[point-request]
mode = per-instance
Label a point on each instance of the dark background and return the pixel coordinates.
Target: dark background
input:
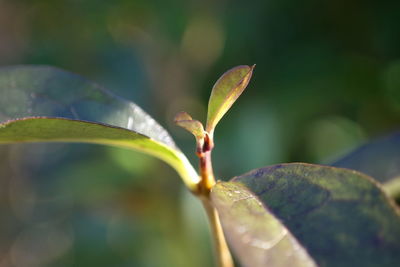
(327, 80)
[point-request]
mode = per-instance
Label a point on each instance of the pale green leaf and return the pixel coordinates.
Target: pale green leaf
(83, 112)
(185, 121)
(225, 92)
(339, 216)
(42, 129)
(392, 188)
(30, 91)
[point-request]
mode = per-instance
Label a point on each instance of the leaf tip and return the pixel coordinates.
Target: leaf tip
(181, 116)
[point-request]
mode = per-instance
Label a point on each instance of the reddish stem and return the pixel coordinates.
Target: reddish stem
(224, 258)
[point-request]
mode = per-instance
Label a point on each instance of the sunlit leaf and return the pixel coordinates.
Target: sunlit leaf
(185, 121)
(28, 91)
(49, 93)
(340, 217)
(257, 236)
(225, 92)
(392, 188)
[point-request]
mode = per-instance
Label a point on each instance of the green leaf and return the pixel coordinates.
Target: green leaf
(379, 159)
(31, 91)
(392, 188)
(225, 92)
(340, 217)
(61, 106)
(257, 236)
(185, 121)
(41, 129)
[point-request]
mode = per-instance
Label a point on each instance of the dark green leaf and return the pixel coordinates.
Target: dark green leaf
(379, 158)
(341, 217)
(257, 236)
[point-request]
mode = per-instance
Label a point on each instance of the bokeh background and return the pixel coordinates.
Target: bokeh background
(327, 80)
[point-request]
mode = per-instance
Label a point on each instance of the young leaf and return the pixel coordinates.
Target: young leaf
(41, 104)
(185, 121)
(225, 92)
(340, 217)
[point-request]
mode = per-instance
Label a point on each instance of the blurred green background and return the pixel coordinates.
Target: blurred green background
(327, 80)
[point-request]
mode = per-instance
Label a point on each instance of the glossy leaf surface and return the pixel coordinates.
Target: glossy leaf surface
(67, 130)
(49, 93)
(28, 91)
(225, 92)
(341, 217)
(257, 236)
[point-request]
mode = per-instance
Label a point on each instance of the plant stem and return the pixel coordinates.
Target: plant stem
(207, 174)
(223, 255)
